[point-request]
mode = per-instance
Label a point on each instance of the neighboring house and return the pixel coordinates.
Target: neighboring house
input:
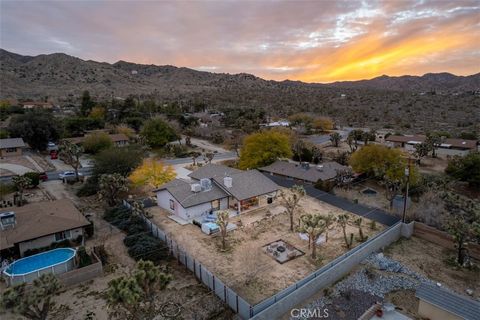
(448, 146)
(304, 172)
(37, 225)
(274, 124)
(118, 139)
(216, 187)
(436, 303)
(11, 147)
(36, 105)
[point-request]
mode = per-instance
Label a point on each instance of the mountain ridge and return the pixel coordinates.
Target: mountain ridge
(58, 72)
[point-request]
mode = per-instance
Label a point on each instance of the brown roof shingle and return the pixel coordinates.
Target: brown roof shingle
(324, 171)
(40, 219)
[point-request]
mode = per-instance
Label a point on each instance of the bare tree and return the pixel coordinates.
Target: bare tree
(291, 199)
(222, 221)
(71, 153)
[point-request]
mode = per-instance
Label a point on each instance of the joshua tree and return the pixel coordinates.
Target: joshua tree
(343, 220)
(209, 157)
(21, 183)
(291, 201)
(222, 221)
(132, 297)
(463, 223)
(433, 140)
(298, 147)
(317, 155)
(358, 223)
(33, 302)
(111, 185)
(195, 155)
(70, 153)
(421, 151)
(344, 178)
(313, 225)
(335, 139)
(329, 219)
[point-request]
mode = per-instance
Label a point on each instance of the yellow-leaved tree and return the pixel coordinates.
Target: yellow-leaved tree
(152, 173)
(263, 148)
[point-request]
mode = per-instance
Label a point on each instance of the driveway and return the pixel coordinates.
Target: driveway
(371, 213)
(15, 168)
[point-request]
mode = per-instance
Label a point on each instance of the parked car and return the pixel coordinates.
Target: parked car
(51, 146)
(43, 176)
(68, 175)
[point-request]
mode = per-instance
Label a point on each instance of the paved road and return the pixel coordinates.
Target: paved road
(217, 156)
(52, 175)
(376, 214)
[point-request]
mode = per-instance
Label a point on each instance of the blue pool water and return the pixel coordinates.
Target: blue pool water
(40, 261)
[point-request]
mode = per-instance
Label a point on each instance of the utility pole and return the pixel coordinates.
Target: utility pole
(407, 174)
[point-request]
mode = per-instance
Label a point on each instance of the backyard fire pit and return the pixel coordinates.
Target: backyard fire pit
(282, 251)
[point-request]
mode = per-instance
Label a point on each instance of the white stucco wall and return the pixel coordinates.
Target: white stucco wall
(163, 201)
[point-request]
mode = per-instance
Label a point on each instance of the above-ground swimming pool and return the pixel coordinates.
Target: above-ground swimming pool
(27, 269)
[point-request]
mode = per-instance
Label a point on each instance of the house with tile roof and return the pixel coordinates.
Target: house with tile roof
(216, 187)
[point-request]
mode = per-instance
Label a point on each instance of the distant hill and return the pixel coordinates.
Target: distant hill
(384, 101)
(428, 82)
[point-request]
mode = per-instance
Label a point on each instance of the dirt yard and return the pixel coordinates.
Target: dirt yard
(378, 200)
(75, 303)
(244, 266)
(429, 259)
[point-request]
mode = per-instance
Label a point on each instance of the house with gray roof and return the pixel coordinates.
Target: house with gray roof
(11, 147)
(438, 303)
(304, 172)
(216, 187)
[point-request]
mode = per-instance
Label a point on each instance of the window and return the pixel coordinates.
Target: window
(216, 204)
(59, 236)
(11, 150)
(172, 204)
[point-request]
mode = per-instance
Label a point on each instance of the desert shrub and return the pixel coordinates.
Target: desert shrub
(6, 188)
(34, 177)
(112, 214)
(84, 259)
(89, 188)
(134, 238)
(326, 186)
(95, 143)
(148, 248)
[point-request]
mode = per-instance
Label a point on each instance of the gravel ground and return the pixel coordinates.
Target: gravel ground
(378, 276)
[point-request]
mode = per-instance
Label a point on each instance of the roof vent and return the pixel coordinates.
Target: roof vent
(206, 184)
(7, 220)
(320, 167)
(228, 182)
(196, 187)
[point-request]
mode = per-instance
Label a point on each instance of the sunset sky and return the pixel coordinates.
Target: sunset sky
(313, 41)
